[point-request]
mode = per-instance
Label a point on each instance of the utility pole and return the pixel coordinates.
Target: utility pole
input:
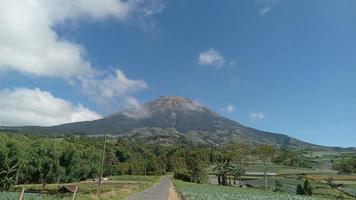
(146, 161)
(101, 168)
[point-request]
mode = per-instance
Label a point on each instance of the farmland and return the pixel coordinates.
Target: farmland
(192, 191)
(326, 182)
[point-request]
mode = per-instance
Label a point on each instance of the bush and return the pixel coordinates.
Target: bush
(278, 186)
(300, 190)
(306, 189)
(182, 174)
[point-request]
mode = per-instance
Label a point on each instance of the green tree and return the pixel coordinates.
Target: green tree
(197, 165)
(223, 169)
(46, 162)
(237, 171)
(307, 188)
(7, 177)
(300, 190)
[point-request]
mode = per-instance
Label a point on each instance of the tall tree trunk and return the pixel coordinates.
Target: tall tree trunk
(224, 180)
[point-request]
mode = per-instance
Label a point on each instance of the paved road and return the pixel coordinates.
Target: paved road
(159, 191)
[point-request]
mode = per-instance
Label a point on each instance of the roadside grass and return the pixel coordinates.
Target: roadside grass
(117, 188)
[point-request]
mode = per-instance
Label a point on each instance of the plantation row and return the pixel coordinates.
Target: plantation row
(191, 191)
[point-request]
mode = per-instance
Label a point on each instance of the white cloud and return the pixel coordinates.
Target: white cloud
(211, 57)
(235, 82)
(265, 10)
(229, 109)
(35, 107)
(30, 44)
(136, 110)
(113, 85)
(257, 115)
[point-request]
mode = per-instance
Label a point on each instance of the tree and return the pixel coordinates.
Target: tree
(307, 188)
(46, 162)
(223, 169)
(277, 186)
(240, 152)
(18, 153)
(196, 164)
(265, 153)
(219, 170)
(237, 172)
(7, 177)
(300, 189)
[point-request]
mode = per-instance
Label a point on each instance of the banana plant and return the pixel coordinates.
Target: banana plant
(7, 177)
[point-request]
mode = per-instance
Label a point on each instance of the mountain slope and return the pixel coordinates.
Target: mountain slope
(173, 116)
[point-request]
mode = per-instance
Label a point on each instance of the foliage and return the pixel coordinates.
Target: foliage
(7, 177)
(306, 189)
(182, 174)
(300, 190)
(293, 158)
(346, 165)
(278, 186)
(193, 168)
(50, 159)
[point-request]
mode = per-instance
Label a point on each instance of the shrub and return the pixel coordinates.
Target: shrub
(300, 190)
(278, 186)
(182, 174)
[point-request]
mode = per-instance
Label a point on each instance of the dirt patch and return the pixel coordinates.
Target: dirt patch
(173, 194)
(109, 195)
(126, 189)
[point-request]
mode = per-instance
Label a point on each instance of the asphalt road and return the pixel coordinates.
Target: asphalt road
(159, 191)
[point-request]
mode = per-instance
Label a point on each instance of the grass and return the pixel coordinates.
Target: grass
(117, 188)
(192, 191)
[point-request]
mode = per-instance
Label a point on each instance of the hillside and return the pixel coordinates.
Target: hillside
(169, 118)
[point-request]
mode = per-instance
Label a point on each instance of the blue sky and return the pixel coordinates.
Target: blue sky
(277, 65)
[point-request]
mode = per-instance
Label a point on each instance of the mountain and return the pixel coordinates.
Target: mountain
(169, 118)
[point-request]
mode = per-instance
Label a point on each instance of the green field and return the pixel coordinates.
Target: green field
(194, 191)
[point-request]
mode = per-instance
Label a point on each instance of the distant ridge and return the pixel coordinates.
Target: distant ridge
(168, 118)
